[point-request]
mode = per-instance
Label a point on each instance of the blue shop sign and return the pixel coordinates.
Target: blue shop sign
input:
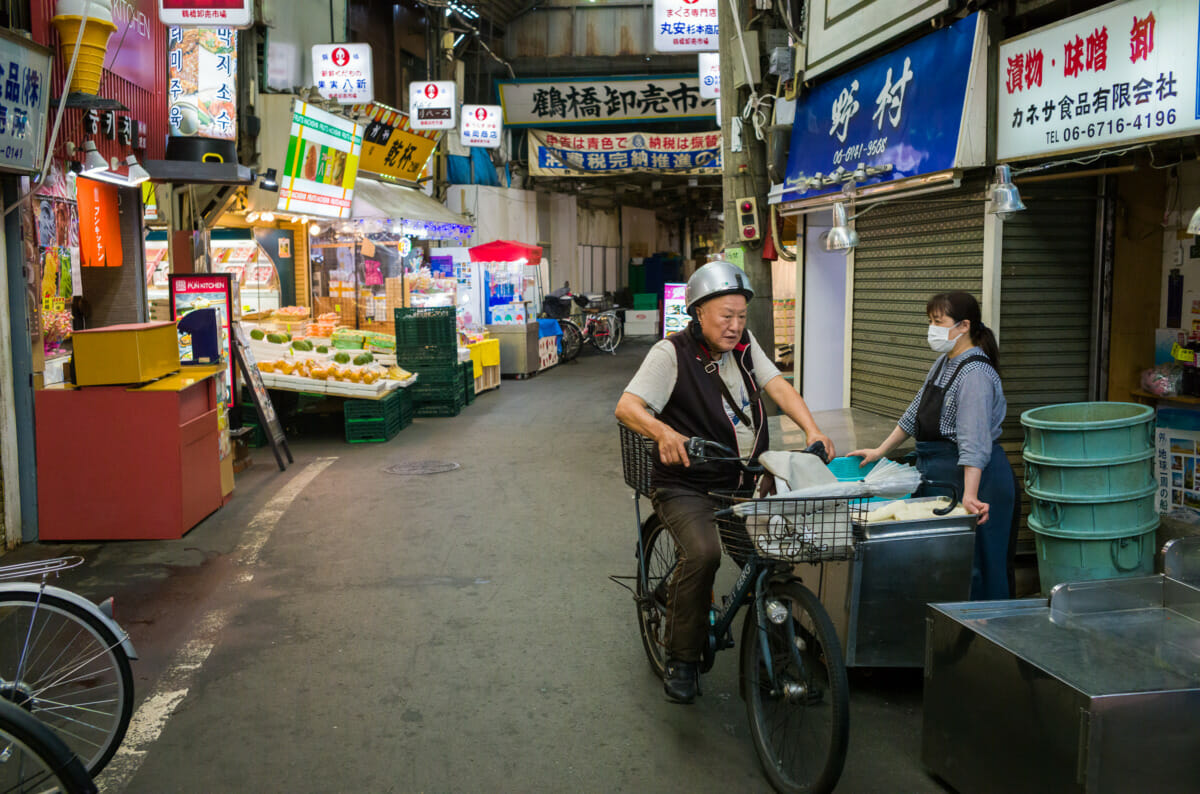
(904, 109)
(24, 86)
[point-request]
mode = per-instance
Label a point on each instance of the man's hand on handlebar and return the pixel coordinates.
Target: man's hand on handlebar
(672, 447)
(830, 451)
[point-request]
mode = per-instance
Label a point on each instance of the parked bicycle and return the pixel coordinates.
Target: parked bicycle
(34, 760)
(65, 660)
(792, 672)
(603, 329)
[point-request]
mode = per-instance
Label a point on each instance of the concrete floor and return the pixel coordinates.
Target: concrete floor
(447, 633)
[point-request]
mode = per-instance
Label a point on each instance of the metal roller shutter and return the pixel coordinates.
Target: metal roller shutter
(1047, 307)
(908, 251)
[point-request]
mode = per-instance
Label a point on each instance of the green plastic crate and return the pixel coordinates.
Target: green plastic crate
(438, 383)
(389, 407)
(469, 381)
(645, 300)
(442, 408)
(257, 437)
(361, 431)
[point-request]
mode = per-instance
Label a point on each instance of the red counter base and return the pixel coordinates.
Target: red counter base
(118, 464)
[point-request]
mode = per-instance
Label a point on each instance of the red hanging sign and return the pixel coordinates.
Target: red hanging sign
(99, 224)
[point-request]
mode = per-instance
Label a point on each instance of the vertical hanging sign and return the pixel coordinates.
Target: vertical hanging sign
(202, 82)
(343, 72)
(685, 25)
(710, 76)
(431, 105)
(481, 126)
(322, 164)
(99, 224)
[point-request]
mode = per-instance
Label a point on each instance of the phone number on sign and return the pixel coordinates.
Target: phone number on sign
(1078, 132)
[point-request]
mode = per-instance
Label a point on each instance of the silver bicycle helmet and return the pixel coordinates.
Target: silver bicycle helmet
(714, 279)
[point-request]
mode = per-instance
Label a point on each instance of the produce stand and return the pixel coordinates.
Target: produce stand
(1096, 689)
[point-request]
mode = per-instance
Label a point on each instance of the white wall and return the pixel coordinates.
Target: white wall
(564, 240)
(498, 213)
(823, 319)
(639, 228)
(599, 227)
(1182, 202)
(295, 26)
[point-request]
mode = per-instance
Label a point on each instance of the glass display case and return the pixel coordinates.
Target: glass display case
(232, 252)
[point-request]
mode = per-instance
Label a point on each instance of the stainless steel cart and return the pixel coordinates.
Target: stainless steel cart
(877, 601)
(1095, 690)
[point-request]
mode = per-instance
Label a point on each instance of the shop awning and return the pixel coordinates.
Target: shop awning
(380, 200)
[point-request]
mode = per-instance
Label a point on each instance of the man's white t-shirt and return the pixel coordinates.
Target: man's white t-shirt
(655, 380)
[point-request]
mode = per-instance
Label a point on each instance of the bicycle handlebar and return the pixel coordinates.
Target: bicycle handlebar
(697, 450)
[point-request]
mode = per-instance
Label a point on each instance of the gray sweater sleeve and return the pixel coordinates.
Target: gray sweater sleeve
(973, 423)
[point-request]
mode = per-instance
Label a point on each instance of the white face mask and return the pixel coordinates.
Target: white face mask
(939, 339)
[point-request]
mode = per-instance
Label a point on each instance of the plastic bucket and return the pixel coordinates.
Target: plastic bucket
(1087, 559)
(1088, 432)
(1082, 517)
(1121, 478)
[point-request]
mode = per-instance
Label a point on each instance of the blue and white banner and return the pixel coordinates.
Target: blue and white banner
(903, 113)
(561, 154)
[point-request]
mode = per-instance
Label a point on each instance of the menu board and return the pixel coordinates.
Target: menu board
(210, 290)
(262, 401)
(675, 316)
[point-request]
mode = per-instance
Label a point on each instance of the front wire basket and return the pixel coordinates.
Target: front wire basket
(637, 460)
(794, 530)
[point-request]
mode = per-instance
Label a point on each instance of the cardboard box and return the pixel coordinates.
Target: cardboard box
(641, 328)
(134, 353)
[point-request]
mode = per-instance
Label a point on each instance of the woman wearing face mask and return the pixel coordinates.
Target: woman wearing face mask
(955, 419)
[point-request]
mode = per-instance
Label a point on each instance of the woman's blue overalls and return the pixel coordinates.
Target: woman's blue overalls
(937, 460)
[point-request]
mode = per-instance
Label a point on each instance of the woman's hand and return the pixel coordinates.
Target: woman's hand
(976, 507)
(868, 455)
(672, 447)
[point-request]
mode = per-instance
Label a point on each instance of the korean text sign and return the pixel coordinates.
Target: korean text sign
(322, 163)
(540, 103)
(1123, 73)
(904, 110)
(24, 80)
(685, 26)
(563, 154)
(202, 82)
(343, 72)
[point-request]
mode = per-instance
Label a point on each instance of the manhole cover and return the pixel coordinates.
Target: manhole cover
(421, 467)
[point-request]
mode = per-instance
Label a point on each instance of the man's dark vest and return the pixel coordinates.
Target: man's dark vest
(697, 408)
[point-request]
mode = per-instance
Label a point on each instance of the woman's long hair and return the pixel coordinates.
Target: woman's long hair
(959, 306)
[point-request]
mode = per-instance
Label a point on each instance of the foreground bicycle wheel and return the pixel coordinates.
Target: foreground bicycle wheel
(572, 340)
(67, 668)
(34, 760)
(800, 726)
(659, 549)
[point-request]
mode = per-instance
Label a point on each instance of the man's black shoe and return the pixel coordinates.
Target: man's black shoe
(680, 682)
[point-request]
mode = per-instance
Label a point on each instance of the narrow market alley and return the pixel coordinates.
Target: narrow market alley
(341, 628)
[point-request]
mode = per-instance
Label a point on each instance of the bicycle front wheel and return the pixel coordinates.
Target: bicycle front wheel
(572, 340)
(612, 334)
(800, 710)
(34, 760)
(653, 576)
(65, 666)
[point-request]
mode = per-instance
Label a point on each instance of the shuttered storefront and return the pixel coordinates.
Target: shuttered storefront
(1047, 306)
(908, 250)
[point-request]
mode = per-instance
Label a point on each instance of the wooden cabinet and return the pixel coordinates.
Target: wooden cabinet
(119, 463)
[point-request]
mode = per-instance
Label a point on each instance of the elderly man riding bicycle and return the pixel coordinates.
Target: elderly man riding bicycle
(706, 381)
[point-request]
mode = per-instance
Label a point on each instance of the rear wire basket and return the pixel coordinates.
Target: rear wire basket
(637, 460)
(795, 530)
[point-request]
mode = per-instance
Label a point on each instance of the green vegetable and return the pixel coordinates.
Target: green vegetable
(365, 358)
(342, 358)
(322, 349)
(278, 339)
(302, 344)
(257, 333)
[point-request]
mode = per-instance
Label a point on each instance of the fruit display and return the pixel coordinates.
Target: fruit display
(292, 314)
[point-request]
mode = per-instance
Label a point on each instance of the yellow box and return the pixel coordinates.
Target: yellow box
(134, 353)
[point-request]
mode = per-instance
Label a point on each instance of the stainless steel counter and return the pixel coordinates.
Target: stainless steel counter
(1095, 690)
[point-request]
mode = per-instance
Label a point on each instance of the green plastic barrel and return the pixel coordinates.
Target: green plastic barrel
(1088, 432)
(1070, 559)
(1086, 515)
(1113, 478)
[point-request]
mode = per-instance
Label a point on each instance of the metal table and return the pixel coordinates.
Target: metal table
(1095, 690)
(877, 601)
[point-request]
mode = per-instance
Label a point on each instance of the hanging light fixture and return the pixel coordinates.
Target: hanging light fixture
(267, 217)
(137, 175)
(93, 161)
(841, 237)
(1006, 199)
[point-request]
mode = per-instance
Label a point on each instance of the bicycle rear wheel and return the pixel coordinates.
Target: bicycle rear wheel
(652, 579)
(800, 720)
(572, 340)
(34, 760)
(66, 667)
